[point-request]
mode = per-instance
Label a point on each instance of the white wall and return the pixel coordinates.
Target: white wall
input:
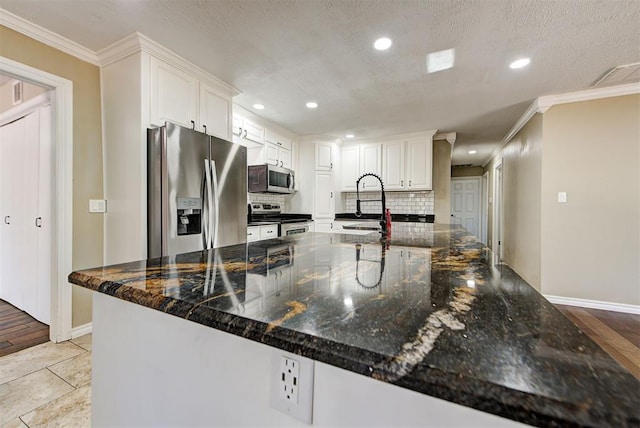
(591, 244)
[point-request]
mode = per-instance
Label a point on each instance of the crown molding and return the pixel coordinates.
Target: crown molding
(449, 136)
(138, 42)
(544, 103)
(47, 37)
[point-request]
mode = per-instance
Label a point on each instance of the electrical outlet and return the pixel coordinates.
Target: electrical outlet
(289, 372)
(292, 385)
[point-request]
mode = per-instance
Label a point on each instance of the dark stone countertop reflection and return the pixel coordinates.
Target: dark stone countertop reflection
(431, 310)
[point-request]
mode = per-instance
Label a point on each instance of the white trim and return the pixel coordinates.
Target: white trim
(449, 136)
(47, 37)
(594, 304)
(544, 103)
(24, 108)
(81, 330)
(62, 106)
(139, 42)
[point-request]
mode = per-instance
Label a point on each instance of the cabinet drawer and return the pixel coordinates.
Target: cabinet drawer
(268, 232)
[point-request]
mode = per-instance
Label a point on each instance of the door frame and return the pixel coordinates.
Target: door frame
(484, 208)
(478, 180)
(62, 198)
(498, 210)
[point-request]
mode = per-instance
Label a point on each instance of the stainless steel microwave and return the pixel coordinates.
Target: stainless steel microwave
(270, 179)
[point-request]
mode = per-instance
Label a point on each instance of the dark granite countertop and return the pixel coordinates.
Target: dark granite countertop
(444, 319)
(410, 218)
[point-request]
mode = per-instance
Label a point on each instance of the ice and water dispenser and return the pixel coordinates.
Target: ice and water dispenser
(189, 216)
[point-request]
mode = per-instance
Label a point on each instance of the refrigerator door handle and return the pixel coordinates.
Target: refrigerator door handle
(207, 212)
(215, 213)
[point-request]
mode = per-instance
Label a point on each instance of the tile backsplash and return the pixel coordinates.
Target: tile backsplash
(397, 202)
(269, 198)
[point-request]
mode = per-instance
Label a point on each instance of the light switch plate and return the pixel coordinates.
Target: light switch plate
(562, 197)
(97, 206)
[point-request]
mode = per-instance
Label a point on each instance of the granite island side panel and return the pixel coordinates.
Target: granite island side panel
(435, 313)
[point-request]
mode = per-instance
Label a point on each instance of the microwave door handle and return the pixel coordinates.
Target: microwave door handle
(291, 181)
(215, 213)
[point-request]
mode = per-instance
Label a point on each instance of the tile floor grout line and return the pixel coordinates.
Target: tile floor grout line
(21, 420)
(64, 380)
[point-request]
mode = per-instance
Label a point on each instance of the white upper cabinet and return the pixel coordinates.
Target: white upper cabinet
(419, 164)
(277, 151)
(215, 112)
(350, 161)
(393, 165)
(277, 139)
(324, 157)
(370, 162)
(179, 97)
(246, 132)
(173, 95)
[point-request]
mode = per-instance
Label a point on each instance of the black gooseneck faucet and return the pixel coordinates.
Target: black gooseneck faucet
(383, 223)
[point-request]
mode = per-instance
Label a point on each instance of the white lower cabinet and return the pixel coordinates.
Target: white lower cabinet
(323, 226)
(258, 233)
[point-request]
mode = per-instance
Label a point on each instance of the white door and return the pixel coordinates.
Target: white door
(465, 203)
(25, 205)
(370, 163)
(350, 161)
(324, 157)
(419, 164)
(497, 211)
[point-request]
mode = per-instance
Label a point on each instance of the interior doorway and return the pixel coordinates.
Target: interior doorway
(465, 203)
(61, 186)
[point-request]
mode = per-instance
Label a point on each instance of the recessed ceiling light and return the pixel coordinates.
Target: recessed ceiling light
(349, 135)
(441, 60)
(312, 104)
(258, 106)
(522, 62)
(382, 44)
(472, 152)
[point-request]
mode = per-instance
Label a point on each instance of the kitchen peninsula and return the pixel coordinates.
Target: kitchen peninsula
(393, 328)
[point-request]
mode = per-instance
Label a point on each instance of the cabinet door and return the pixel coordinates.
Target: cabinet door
(253, 234)
(324, 204)
(370, 162)
(173, 95)
(324, 156)
(277, 139)
(253, 132)
(215, 112)
(268, 232)
(285, 158)
(325, 226)
(419, 158)
(271, 154)
(393, 169)
(350, 161)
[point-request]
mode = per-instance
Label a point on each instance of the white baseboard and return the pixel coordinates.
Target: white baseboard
(81, 330)
(594, 304)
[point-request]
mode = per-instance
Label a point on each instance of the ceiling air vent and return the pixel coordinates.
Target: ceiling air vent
(622, 74)
(465, 165)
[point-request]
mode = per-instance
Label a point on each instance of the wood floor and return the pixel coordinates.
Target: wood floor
(616, 332)
(18, 330)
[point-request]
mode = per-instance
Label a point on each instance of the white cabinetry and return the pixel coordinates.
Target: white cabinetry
(370, 162)
(359, 159)
(419, 164)
(407, 165)
(278, 150)
(324, 204)
(324, 157)
(144, 85)
(350, 161)
(258, 233)
(246, 132)
(393, 167)
(179, 97)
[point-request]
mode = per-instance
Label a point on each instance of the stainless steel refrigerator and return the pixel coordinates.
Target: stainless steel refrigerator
(197, 191)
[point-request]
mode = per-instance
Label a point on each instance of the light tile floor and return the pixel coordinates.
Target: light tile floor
(48, 385)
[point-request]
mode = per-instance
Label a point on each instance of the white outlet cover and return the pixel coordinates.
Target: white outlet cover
(562, 197)
(97, 206)
(303, 408)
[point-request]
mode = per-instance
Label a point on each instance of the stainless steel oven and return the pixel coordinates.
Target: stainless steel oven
(287, 229)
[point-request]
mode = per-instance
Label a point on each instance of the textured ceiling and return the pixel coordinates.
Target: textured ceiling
(284, 53)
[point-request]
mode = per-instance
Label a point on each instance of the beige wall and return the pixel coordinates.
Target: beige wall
(468, 171)
(442, 180)
(591, 244)
(87, 149)
(29, 91)
(521, 173)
